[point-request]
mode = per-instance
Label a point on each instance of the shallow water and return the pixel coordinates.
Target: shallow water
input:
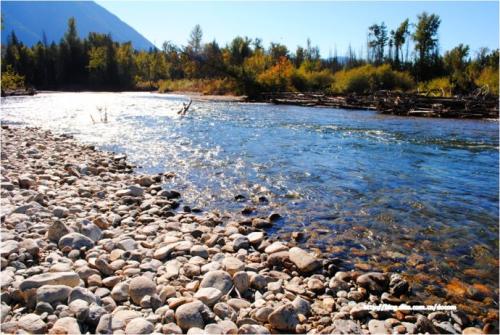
(393, 193)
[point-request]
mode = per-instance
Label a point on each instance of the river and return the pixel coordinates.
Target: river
(388, 193)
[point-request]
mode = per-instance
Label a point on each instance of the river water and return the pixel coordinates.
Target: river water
(385, 193)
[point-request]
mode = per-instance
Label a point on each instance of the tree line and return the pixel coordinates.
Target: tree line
(404, 58)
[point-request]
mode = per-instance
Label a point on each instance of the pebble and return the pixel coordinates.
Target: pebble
(284, 318)
(140, 287)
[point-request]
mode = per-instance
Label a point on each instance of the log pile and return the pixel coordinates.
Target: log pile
(395, 103)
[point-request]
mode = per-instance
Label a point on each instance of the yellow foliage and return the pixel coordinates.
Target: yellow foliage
(12, 80)
(368, 78)
(489, 77)
(205, 86)
(278, 77)
(437, 86)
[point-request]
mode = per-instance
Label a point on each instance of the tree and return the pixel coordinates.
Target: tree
(456, 63)
(426, 43)
(377, 41)
(399, 39)
(195, 38)
(277, 51)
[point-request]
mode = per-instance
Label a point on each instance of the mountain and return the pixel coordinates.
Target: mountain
(30, 20)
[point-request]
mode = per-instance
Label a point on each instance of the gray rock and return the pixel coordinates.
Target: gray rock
(343, 327)
(190, 315)
(140, 287)
(120, 292)
(304, 261)
(374, 282)
(105, 325)
(139, 326)
(52, 293)
(90, 230)
(80, 309)
(82, 294)
(56, 231)
(253, 329)
(302, 306)
(241, 281)
(75, 241)
(241, 242)
(51, 278)
(284, 318)
(219, 279)
(208, 295)
(60, 212)
(8, 247)
(199, 250)
(32, 323)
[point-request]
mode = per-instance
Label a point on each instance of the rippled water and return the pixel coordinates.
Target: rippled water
(395, 193)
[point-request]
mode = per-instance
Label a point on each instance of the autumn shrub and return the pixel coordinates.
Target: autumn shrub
(368, 78)
(278, 78)
(205, 86)
(12, 80)
(489, 78)
(441, 86)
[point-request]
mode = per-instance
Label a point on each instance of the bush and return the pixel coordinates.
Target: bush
(368, 78)
(12, 80)
(205, 86)
(488, 77)
(278, 77)
(438, 86)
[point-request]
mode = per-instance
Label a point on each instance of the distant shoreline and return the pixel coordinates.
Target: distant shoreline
(385, 102)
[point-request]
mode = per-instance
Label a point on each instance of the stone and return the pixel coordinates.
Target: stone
(241, 242)
(302, 306)
(374, 282)
(30, 245)
(241, 281)
(171, 328)
(8, 247)
(105, 325)
(163, 252)
(284, 318)
(52, 293)
(253, 329)
(4, 312)
(66, 325)
(472, 331)
(75, 241)
(219, 279)
(135, 191)
(379, 327)
(199, 250)
(275, 247)
(51, 278)
(233, 265)
(139, 326)
(304, 261)
(189, 315)
(120, 292)
(56, 231)
(32, 323)
(60, 212)
(140, 287)
(344, 327)
(80, 309)
(224, 311)
(91, 231)
(255, 238)
(82, 294)
(127, 244)
(208, 295)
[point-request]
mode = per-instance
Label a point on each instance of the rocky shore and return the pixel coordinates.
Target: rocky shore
(89, 246)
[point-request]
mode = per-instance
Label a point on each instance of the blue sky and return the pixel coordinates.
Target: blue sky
(330, 25)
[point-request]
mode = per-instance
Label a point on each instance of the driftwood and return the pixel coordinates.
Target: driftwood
(18, 92)
(396, 103)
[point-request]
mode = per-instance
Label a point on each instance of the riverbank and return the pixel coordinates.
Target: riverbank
(394, 103)
(88, 245)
